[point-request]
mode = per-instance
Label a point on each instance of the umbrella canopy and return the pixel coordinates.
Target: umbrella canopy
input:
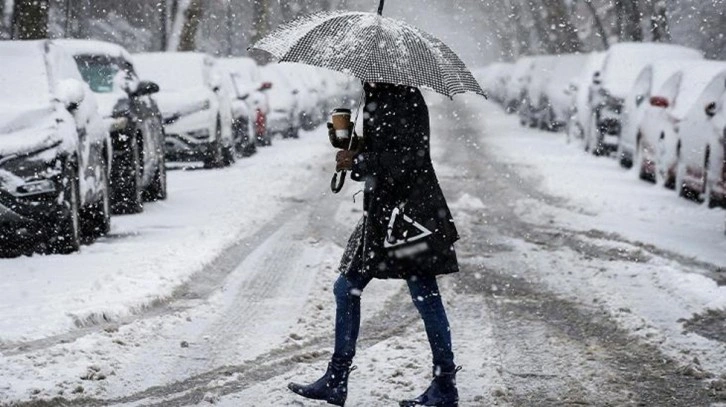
(372, 48)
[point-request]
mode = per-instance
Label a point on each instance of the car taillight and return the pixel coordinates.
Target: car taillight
(659, 101)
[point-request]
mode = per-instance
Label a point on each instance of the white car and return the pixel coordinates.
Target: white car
(251, 91)
(623, 63)
(55, 151)
(701, 172)
(580, 88)
(534, 102)
(659, 146)
(556, 108)
(196, 102)
(518, 84)
(284, 117)
(494, 79)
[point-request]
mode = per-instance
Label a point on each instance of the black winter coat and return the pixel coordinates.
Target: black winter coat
(407, 229)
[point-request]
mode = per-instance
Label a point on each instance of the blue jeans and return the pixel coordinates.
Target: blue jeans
(425, 295)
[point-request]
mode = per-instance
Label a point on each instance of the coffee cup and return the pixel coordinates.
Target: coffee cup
(341, 123)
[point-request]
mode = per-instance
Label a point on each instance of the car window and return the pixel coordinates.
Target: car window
(100, 71)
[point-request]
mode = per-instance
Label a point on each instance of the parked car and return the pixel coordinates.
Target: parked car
(494, 79)
(580, 94)
(623, 63)
(196, 104)
(55, 152)
(251, 91)
(284, 117)
(518, 84)
(555, 103)
(701, 173)
(659, 146)
(138, 171)
(533, 105)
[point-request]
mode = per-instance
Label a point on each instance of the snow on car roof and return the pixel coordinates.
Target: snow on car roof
(91, 47)
(696, 79)
(625, 61)
(567, 66)
(24, 77)
(174, 70)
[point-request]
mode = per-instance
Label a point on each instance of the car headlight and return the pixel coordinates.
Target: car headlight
(34, 170)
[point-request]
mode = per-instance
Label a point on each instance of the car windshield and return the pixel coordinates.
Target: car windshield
(24, 80)
(98, 71)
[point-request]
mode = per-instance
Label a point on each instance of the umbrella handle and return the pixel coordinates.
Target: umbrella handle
(336, 185)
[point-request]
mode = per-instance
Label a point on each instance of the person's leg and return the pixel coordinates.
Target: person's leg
(442, 392)
(333, 386)
(347, 290)
(427, 299)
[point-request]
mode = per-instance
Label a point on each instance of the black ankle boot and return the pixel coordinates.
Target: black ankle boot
(332, 387)
(441, 393)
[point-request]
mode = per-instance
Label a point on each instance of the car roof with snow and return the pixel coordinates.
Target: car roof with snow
(90, 47)
(174, 70)
(625, 61)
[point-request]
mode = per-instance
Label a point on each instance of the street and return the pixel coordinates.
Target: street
(571, 292)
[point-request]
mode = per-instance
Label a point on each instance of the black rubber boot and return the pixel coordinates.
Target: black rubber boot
(441, 393)
(332, 387)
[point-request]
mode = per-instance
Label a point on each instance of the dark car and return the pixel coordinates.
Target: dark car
(134, 120)
(55, 151)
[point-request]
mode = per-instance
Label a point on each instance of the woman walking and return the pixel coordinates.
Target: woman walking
(407, 233)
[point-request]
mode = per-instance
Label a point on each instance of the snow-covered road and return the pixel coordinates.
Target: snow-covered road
(579, 285)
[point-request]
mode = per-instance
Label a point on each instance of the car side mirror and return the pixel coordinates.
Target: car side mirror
(71, 93)
(146, 88)
(295, 91)
(639, 100)
(266, 86)
(711, 109)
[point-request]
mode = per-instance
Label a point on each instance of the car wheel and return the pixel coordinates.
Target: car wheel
(215, 155)
(228, 157)
(66, 233)
(126, 180)
(157, 190)
(293, 133)
(96, 218)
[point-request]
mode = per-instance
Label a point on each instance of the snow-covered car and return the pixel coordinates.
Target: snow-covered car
(623, 63)
(534, 102)
(556, 106)
(245, 142)
(196, 104)
(250, 90)
(55, 151)
(659, 145)
(579, 89)
(518, 84)
(138, 171)
(701, 172)
(637, 103)
(305, 82)
(284, 117)
(494, 79)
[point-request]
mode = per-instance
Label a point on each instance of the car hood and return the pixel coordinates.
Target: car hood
(180, 103)
(25, 130)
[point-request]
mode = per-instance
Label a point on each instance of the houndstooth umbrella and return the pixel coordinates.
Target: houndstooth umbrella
(372, 48)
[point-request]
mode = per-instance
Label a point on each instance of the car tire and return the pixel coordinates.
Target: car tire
(228, 156)
(293, 133)
(96, 218)
(66, 233)
(126, 188)
(157, 190)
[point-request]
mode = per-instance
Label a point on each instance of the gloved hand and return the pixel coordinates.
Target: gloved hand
(343, 143)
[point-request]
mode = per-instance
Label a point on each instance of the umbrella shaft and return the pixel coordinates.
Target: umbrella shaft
(380, 7)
